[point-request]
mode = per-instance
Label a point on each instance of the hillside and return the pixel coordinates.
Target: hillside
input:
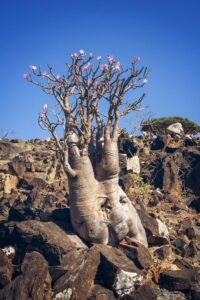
(42, 258)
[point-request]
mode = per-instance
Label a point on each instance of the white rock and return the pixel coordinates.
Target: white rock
(48, 139)
(176, 128)
(189, 136)
(162, 229)
(125, 282)
(64, 295)
(133, 164)
(8, 250)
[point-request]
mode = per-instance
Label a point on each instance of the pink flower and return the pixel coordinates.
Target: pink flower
(32, 68)
(82, 52)
(105, 67)
(99, 57)
(45, 107)
(26, 76)
(45, 74)
(87, 66)
(91, 55)
(89, 81)
(58, 76)
(111, 58)
(117, 66)
(42, 116)
(137, 59)
(74, 55)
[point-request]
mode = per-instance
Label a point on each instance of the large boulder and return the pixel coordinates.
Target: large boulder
(176, 128)
(6, 269)
(34, 282)
(45, 237)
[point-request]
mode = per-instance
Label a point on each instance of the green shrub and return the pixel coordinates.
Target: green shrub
(159, 125)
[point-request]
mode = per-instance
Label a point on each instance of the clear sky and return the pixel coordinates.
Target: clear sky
(164, 33)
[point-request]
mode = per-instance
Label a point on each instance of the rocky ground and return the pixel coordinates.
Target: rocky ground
(42, 258)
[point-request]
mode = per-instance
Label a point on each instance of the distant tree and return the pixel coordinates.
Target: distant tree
(159, 126)
(91, 101)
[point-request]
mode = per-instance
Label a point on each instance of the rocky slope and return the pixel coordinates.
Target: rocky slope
(42, 258)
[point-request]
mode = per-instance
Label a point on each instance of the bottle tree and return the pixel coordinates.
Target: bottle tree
(91, 99)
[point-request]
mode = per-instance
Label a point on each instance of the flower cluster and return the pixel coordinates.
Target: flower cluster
(112, 64)
(32, 68)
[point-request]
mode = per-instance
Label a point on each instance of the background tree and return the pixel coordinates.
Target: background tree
(158, 126)
(90, 102)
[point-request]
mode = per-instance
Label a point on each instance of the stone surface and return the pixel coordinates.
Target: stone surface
(133, 164)
(33, 283)
(6, 269)
(150, 224)
(176, 128)
(34, 188)
(136, 252)
(178, 280)
(163, 294)
(162, 229)
(117, 271)
(163, 252)
(77, 272)
(100, 293)
(47, 238)
(191, 250)
(143, 292)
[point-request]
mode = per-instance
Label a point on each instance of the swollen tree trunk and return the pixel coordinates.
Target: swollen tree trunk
(100, 210)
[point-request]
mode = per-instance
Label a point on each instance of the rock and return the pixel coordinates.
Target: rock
(4, 168)
(142, 293)
(45, 237)
(152, 229)
(9, 251)
(9, 150)
(157, 241)
(32, 181)
(6, 269)
(100, 293)
(163, 252)
(162, 229)
(183, 264)
(8, 182)
(158, 143)
(84, 280)
(195, 204)
(195, 292)
(171, 181)
(133, 164)
(117, 271)
(150, 224)
(136, 252)
(178, 246)
(163, 294)
(64, 295)
(178, 280)
(21, 212)
(18, 167)
(80, 271)
(176, 128)
(193, 178)
(190, 250)
(33, 283)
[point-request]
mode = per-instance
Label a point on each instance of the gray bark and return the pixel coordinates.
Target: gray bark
(100, 210)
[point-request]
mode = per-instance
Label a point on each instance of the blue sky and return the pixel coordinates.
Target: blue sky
(164, 33)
